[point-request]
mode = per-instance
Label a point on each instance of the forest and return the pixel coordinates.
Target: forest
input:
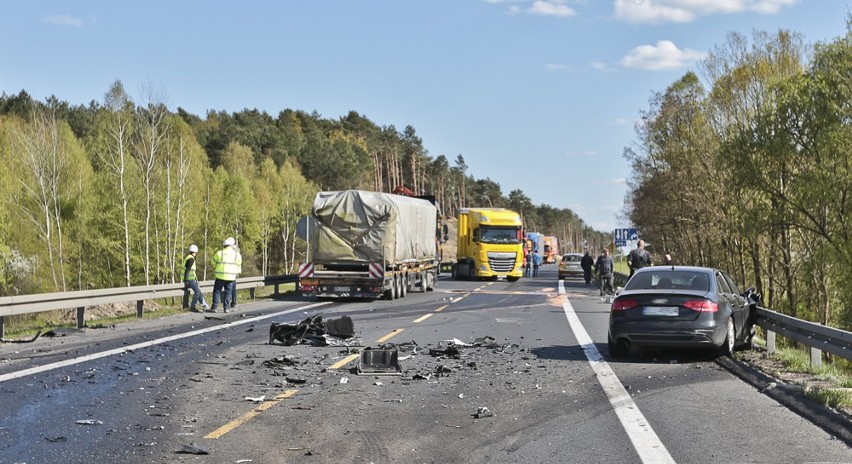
(111, 193)
(747, 168)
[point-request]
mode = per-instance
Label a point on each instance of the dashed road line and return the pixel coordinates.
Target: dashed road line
(249, 415)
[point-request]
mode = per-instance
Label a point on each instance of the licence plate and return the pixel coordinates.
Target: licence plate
(341, 289)
(661, 311)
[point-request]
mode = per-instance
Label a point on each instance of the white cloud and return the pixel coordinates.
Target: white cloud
(551, 8)
(557, 66)
(684, 11)
(620, 122)
(63, 20)
(664, 55)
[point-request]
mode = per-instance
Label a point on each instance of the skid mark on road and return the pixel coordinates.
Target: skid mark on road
(645, 441)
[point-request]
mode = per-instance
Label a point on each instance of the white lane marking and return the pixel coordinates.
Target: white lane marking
(642, 435)
(103, 354)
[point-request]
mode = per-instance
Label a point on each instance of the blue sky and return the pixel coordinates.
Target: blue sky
(537, 95)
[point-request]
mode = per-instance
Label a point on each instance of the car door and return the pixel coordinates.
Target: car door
(739, 303)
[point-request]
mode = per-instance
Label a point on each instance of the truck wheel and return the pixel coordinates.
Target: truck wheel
(403, 285)
(423, 278)
(394, 289)
(512, 278)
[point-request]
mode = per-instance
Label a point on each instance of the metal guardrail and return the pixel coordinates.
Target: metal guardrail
(818, 337)
(80, 300)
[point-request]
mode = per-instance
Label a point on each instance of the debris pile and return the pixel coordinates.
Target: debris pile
(313, 331)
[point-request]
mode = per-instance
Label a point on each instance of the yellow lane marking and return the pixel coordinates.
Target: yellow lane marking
(247, 416)
(388, 336)
(423, 318)
(344, 361)
(441, 308)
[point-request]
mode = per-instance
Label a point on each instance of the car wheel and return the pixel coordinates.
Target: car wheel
(616, 350)
(727, 348)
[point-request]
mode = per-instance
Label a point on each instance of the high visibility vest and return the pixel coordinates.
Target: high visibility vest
(191, 274)
(228, 264)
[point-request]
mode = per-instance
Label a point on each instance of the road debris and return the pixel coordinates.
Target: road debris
(313, 331)
(256, 399)
(88, 422)
(192, 449)
(379, 361)
(482, 412)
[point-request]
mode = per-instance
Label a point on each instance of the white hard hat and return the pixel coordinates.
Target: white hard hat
(229, 241)
(193, 249)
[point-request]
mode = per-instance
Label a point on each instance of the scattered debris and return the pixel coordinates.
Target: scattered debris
(344, 380)
(448, 352)
(284, 362)
(482, 412)
(312, 331)
(192, 449)
(379, 362)
(256, 399)
(56, 439)
(88, 422)
(296, 380)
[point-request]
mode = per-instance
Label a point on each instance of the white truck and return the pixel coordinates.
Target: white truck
(365, 244)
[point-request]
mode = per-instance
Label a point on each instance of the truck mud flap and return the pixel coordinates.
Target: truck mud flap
(379, 362)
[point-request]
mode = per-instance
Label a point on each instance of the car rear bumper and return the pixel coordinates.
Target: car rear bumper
(686, 334)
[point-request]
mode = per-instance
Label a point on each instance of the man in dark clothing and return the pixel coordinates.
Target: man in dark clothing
(605, 267)
(638, 257)
(586, 262)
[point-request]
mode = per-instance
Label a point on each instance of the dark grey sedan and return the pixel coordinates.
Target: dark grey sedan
(680, 306)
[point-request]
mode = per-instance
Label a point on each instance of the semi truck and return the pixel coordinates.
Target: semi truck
(534, 242)
(490, 244)
(363, 244)
(551, 249)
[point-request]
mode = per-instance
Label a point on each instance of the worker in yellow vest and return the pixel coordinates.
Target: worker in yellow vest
(190, 279)
(228, 265)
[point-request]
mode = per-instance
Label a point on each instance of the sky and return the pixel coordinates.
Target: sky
(536, 95)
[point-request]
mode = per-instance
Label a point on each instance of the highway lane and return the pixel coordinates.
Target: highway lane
(548, 403)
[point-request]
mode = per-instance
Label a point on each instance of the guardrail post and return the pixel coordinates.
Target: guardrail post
(2, 328)
(251, 293)
(276, 289)
(770, 341)
(81, 317)
(185, 302)
(816, 356)
(139, 305)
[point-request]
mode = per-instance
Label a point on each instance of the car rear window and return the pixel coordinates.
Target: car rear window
(669, 280)
(571, 258)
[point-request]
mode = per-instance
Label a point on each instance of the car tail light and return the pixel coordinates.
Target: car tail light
(702, 306)
(621, 305)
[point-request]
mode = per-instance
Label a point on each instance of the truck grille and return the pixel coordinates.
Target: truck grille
(502, 262)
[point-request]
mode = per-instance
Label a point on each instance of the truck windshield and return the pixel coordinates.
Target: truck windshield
(500, 234)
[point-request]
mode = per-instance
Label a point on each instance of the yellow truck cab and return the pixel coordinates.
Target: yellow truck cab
(490, 244)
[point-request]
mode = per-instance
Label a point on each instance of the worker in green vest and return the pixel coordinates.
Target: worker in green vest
(190, 280)
(228, 265)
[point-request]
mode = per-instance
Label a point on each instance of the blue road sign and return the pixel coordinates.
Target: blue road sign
(622, 236)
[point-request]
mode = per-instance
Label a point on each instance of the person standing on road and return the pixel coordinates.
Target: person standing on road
(536, 258)
(586, 262)
(604, 268)
(638, 257)
(228, 264)
(190, 280)
(528, 263)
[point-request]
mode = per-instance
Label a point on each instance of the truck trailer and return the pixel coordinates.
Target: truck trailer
(365, 244)
(490, 244)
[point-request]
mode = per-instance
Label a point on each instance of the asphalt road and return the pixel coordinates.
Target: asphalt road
(167, 390)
